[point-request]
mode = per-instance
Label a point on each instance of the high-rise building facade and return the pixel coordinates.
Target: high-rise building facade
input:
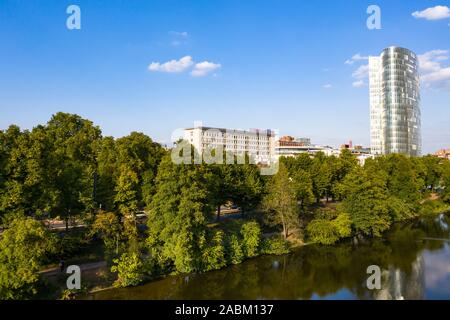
(395, 125)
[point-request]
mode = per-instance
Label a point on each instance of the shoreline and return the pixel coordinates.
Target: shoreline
(292, 249)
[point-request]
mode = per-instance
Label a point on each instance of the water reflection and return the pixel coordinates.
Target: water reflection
(414, 259)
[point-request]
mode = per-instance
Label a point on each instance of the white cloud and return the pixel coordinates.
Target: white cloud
(356, 57)
(430, 61)
(432, 73)
(203, 68)
(327, 86)
(183, 34)
(434, 13)
(179, 38)
(172, 66)
(359, 84)
(362, 72)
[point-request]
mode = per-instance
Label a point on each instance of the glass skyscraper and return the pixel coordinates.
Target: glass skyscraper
(395, 102)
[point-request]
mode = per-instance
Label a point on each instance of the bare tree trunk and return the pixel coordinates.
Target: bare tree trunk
(218, 212)
(284, 227)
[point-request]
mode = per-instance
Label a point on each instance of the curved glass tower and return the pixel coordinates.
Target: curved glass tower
(395, 102)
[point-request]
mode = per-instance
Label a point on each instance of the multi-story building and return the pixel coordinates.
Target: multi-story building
(289, 146)
(260, 144)
(443, 153)
(395, 124)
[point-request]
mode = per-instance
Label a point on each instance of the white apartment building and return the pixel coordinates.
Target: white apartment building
(260, 144)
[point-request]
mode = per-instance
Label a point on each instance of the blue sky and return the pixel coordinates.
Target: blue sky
(259, 64)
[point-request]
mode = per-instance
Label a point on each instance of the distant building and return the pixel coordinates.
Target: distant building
(361, 153)
(356, 149)
(258, 143)
(289, 146)
(285, 148)
(443, 153)
(395, 121)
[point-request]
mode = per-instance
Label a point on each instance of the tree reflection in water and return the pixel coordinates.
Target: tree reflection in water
(314, 271)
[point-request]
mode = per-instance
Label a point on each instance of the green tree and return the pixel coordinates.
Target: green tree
(328, 232)
(23, 248)
(302, 161)
(130, 270)
(280, 203)
(106, 174)
(126, 199)
(234, 250)
(108, 227)
(251, 238)
(340, 167)
(432, 171)
(322, 231)
(23, 183)
(213, 252)
(238, 183)
(321, 176)
(303, 186)
(178, 215)
(446, 181)
(403, 181)
(141, 155)
(74, 142)
(366, 200)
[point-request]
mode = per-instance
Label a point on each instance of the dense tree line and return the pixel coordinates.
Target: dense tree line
(385, 190)
(67, 169)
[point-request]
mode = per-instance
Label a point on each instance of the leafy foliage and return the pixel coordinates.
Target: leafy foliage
(130, 269)
(322, 231)
(251, 238)
(280, 202)
(23, 247)
(234, 250)
(67, 169)
(107, 226)
(274, 245)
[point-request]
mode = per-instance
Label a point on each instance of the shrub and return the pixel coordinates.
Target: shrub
(446, 195)
(251, 238)
(323, 231)
(343, 225)
(234, 250)
(275, 245)
(213, 256)
(432, 207)
(130, 269)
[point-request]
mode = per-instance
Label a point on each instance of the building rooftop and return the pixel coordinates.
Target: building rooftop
(224, 130)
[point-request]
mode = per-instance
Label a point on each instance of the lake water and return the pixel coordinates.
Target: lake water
(414, 259)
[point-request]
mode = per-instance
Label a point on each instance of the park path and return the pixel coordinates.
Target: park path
(83, 267)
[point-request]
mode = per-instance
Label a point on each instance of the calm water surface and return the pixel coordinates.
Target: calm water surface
(414, 259)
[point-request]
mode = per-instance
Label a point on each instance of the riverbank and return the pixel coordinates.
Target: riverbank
(97, 276)
(412, 256)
